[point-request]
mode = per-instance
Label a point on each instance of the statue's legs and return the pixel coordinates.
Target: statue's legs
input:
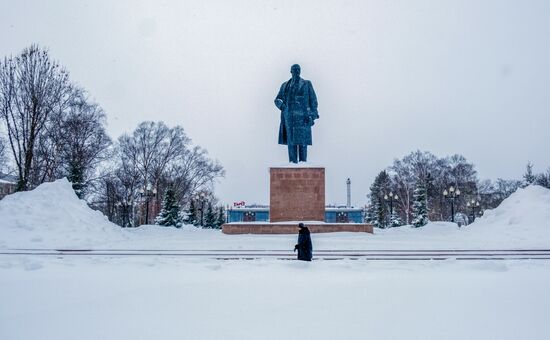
(302, 153)
(297, 153)
(292, 153)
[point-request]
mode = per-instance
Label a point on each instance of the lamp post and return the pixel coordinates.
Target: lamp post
(390, 199)
(452, 195)
(473, 205)
(201, 198)
(147, 193)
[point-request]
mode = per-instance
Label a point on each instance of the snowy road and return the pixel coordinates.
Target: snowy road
(327, 254)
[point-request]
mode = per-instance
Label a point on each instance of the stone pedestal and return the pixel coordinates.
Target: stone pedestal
(296, 194)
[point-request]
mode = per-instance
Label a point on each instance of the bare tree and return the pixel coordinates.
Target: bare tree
(84, 140)
(32, 87)
(157, 156)
(3, 158)
(404, 182)
(151, 148)
(116, 195)
(436, 174)
(406, 173)
(493, 193)
(193, 171)
(73, 144)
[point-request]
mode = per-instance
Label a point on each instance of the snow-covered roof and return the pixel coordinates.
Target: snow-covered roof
(266, 208)
(6, 178)
(249, 209)
(343, 209)
(3, 181)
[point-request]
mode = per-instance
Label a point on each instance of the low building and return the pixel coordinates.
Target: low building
(7, 186)
(248, 214)
(344, 215)
(341, 214)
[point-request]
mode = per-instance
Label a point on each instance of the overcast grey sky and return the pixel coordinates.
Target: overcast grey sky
(468, 77)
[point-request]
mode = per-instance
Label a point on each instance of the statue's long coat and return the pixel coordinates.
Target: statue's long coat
(297, 113)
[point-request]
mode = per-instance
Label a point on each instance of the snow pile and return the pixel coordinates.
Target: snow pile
(52, 216)
(525, 209)
(521, 219)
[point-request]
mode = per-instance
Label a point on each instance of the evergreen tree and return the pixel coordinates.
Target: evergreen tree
(544, 179)
(184, 216)
(210, 219)
(170, 213)
(377, 212)
(395, 221)
(221, 217)
(529, 177)
(193, 214)
(420, 207)
(76, 177)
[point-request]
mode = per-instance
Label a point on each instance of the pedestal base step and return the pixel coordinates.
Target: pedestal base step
(287, 228)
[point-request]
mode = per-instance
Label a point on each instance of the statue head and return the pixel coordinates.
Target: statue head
(295, 70)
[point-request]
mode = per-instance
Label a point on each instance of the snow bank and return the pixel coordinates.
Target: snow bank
(527, 208)
(52, 216)
(522, 218)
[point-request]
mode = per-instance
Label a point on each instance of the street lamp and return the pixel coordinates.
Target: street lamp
(390, 199)
(201, 198)
(452, 195)
(147, 193)
(473, 205)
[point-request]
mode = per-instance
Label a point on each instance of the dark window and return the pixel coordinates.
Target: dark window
(342, 217)
(249, 216)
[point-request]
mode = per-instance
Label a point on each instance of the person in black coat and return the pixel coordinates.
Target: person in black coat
(304, 246)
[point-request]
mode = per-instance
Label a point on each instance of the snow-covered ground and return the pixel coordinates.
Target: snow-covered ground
(151, 297)
(159, 298)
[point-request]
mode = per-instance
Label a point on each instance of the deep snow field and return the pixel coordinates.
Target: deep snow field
(85, 297)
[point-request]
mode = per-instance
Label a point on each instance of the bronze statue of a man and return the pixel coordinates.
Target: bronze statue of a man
(298, 105)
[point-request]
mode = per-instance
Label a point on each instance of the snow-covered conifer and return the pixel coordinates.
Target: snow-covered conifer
(193, 214)
(210, 219)
(170, 213)
(420, 206)
(544, 179)
(528, 176)
(377, 213)
(395, 221)
(220, 217)
(76, 177)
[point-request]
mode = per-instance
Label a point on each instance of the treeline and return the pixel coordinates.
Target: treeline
(411, 190)
(52, 129)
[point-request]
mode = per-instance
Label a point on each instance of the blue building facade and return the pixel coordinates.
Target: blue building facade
(261, 214)
(343, 215)
(245, 214)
